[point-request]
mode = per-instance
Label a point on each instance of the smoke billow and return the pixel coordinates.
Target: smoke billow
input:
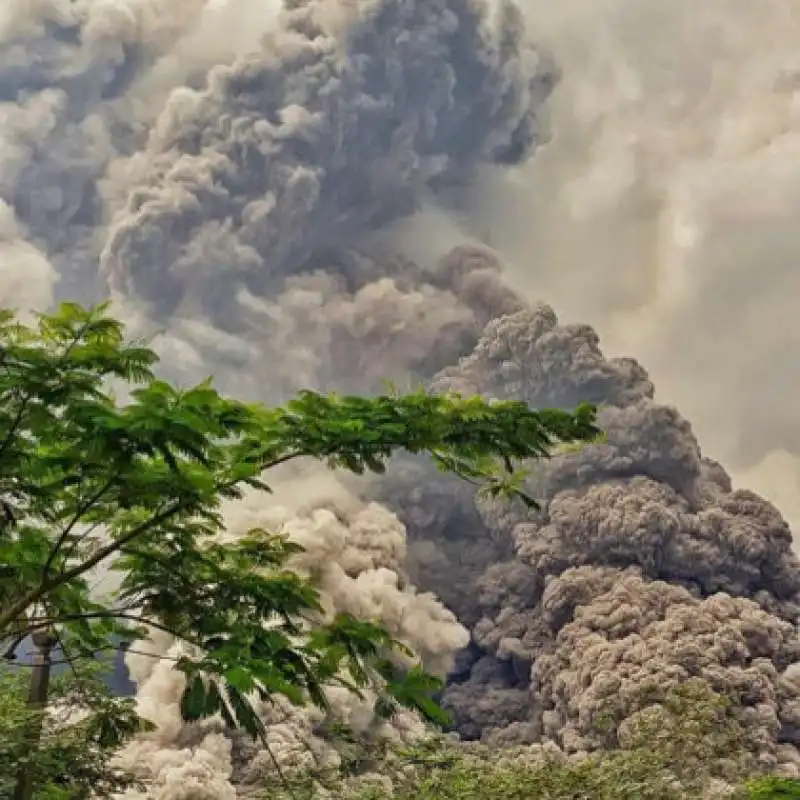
(356, 551)
(642, 568)
(301, 194)
(317, 138)
(345, 118)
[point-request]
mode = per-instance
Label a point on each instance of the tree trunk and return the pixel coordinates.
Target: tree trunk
(44, 641)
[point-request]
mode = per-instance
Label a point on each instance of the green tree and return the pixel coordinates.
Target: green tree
(82, 729)
(688, 737)
(695, 733)
(89, 482)
(771, 787)
(436, 770)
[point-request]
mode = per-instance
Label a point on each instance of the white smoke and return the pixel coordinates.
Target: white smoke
(356, 551)
(30, 284)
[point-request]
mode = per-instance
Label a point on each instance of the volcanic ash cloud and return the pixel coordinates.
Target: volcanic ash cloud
(343, 120)
(642, 569)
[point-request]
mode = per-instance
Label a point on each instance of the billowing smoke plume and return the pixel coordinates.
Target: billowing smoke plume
(340, 123)
(642, 568)
(236, 197)
(356, 550)
(296, 195)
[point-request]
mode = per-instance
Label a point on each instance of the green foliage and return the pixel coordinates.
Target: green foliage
(694, 731)
(464, 778)
(88, 482)
(773, 788)
(83, 728)
(686, 738)
(435, 770)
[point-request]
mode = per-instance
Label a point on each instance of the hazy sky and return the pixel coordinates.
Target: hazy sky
(664, 211)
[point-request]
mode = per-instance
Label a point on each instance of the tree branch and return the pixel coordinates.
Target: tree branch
(44, 587)
(28, 397)
(88, 532)
(80, 511)
(8, 616)
(46, 622)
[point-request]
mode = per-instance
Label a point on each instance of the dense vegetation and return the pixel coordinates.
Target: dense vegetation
(84, 726)
(688, 744)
